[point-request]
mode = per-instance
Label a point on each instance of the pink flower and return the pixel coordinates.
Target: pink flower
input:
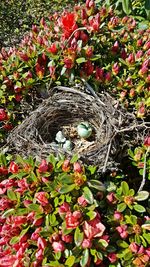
(36, 234)
(3, 115)
(39, 254)
(99, 75)
(58, 246)
(112, 257)
(68, 63)
(67, 238)
(8, 261)
(77, 167)
(86, 243)
(82, 201)
(111, 198)
(115, 68)
(73, 219)
(42, 198)
(5, 203)
(43, 167)
(41, 243)
(93, 228)
(19, 220)
(122, 231)
(118, 216)
(64, 208)
(13, 167)
(147, 141)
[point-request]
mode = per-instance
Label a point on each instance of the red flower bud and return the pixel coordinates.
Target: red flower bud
(58, 246)
(43, 167)
(3, 115)
(66, 166)
(13, 167)
(77, 167)
(147, 141)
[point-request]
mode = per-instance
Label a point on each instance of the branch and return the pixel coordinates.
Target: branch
(144, 172)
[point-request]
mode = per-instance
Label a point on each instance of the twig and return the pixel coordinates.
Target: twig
(107, 156)
(78, 29)
(144, 172)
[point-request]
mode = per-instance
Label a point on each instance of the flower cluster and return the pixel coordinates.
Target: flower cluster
(90, 43)
(57, 213)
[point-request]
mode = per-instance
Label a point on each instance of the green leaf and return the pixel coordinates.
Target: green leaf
(7, 213)
(125, 188)
(126, 5)
(122, 244)
(66, 188)
(142, 195)
(11, 195)
(35, 207)
(147, 4)
(91, 214)
(147, 237)
(103, 243)
(14, 240)
(74, 158)
(88, 195)
(80, 60)
(70, 261)
(92, 169)
(139, 208)
(97, 185)
(121, 207)
(63, 71)
(78, 237)
(84, 258)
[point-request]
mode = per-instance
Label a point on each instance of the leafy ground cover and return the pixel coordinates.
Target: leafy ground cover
(58, 211)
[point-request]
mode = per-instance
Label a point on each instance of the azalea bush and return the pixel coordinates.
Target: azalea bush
(90, 44)
(58, 212)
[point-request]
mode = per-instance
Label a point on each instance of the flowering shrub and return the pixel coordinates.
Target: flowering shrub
(90, 43)
(58, 213)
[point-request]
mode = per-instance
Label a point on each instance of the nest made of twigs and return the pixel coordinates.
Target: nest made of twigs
(64, 110)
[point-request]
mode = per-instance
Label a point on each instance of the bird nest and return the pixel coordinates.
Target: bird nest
(63, 111)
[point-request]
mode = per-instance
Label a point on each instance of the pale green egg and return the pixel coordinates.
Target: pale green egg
(60, 137)
(67, 145)
(84, 130)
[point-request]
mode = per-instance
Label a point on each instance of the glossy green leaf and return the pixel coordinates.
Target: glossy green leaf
(80, 60)
(70, 261)
(126, 5)
(125, 188)
(66, 188)
(78, 237)
(97, 185)
(121, 207)
(142, 195)
(11, 195)
(88, 195)
(139, 208)
(84, 258)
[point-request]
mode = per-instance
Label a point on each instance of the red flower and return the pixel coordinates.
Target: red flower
(13, 167)
(66, 166)
(3, 115)
(93, 228)
(112, 257)
(147, 141)
(41, 243)
(41, 198)
(53, 49)
(86, 243)
(122, 231)
(43, 167)
(8, 126)
(64, 208)
(3, 170)
(58, 246)
(67, 238)
(88, 68)
(5, 203)
(73, 219)
(68, 24)
(82, 201)
(68, 63)
(77, 167)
